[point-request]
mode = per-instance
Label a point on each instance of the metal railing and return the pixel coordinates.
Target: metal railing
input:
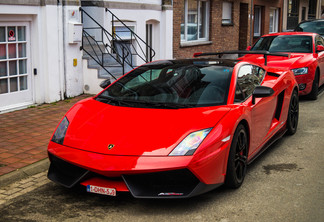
(99, 44)
(137, 47)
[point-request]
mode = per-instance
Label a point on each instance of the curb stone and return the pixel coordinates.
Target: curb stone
(24, 172)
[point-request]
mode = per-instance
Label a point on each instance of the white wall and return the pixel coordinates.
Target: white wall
(60, 77)
(91, 80)
(73, 74)
(167, 35)
(97, 14)
(50, 52)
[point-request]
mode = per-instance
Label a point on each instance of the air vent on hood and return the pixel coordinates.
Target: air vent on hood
(273, 74)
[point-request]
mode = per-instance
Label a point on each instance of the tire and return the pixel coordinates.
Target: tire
(293, 114)
(314, 93)
(237, 158)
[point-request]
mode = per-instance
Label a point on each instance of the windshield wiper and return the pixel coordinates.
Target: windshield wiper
(175, 105)
(160, 104)
(132, 103)
(114, 101)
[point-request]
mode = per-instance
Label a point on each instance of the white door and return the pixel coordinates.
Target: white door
(15, 69)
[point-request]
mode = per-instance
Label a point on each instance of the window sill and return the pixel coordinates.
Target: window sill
(195, 43)
(227, 24)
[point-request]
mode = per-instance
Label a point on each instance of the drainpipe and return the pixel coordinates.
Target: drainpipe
(61, 61)
(64, 50)
(251, 23)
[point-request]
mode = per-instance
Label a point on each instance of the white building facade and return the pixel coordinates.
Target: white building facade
(40, 40)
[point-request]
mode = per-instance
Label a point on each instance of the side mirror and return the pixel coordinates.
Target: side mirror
(248, 48)
(105, 83)
(261, 91)
(319, 48)
(298, 29)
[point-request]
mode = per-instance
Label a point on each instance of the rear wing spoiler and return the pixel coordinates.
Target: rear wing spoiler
(264, 53)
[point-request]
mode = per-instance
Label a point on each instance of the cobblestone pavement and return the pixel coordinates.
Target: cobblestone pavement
(23, 186)
(24, 134)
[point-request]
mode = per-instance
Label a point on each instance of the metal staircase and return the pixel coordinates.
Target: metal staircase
(108, 51)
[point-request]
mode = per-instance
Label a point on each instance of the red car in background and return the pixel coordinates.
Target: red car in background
(306, 57)
(174, 128)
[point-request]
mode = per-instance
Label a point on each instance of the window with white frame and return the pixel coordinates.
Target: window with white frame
(274, 20)
(13, 59)
(257, 21)
(227, 13)
(194, 21)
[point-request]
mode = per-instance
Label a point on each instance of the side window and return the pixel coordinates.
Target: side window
(319, 41)
(249, 76)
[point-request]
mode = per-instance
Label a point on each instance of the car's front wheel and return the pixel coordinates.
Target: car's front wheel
(237, 159)
(293, 114)
(314, 93)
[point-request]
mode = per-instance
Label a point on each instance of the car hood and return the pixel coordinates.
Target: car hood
(134, 131)
(295, 60)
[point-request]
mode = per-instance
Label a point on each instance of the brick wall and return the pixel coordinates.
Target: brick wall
(266, 5)
(221, 37)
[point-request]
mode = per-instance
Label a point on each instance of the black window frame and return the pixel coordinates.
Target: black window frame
(239, 87)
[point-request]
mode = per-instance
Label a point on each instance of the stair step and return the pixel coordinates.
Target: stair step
(111, 60)
(92, 62)
(94, 50)
(116, 72)
(98, 51)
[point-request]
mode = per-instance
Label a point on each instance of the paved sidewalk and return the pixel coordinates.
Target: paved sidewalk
(22, 186)
(24, 134)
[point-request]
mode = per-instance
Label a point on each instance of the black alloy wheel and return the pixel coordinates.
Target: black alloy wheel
(237, 159)
(314, 93)
(293, 114)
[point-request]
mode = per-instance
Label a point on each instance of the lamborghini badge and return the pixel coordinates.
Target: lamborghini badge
(110, 146)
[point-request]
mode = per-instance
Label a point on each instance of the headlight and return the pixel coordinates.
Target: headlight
(59, 134)
(189, 145)
(300, 71)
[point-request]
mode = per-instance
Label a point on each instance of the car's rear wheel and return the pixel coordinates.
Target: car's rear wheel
(293, 114)
(314, 93)
(237, 159)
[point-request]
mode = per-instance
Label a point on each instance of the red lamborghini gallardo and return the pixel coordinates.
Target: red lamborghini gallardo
(174, 128)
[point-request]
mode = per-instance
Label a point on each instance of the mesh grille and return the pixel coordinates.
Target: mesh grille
(177, 183)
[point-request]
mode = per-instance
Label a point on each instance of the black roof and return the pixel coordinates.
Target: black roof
(194, 61)
(312, 20)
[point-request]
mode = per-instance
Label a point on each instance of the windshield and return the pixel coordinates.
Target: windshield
(316, 26)
(285, 43)
(171, 85)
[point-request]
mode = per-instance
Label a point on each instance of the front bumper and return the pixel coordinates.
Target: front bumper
(144, 177)
(179, 183)
(306, 82)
